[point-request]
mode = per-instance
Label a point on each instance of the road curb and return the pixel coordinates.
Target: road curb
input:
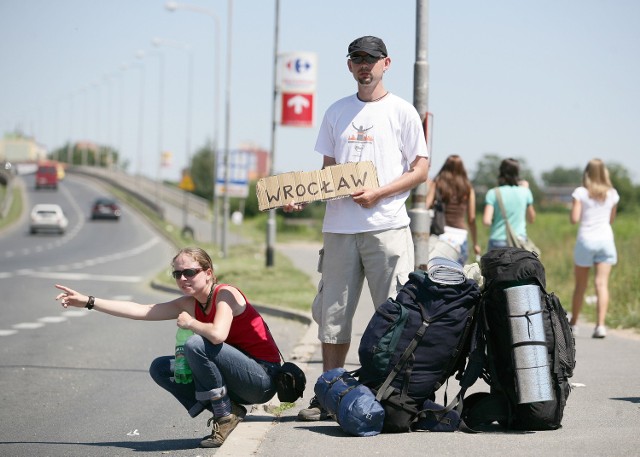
(271, 310)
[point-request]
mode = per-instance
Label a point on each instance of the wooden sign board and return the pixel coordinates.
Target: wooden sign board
(336, 181)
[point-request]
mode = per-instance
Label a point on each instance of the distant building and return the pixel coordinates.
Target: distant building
(551, 195)
(16, 148)
(558, 195)
(258, 161)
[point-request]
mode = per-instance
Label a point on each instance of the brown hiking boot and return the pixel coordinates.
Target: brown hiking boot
(314, 412)
(223, 426)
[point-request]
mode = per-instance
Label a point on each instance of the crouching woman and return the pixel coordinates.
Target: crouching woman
(232, 354)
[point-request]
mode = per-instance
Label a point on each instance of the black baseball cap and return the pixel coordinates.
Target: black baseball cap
(370, 44)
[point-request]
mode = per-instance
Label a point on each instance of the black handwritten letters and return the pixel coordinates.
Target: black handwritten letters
(336, 181)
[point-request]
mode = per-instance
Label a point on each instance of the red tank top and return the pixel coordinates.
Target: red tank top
(248, 331)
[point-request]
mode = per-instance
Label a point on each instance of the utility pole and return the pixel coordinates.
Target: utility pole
(271, 222)
(420, 219)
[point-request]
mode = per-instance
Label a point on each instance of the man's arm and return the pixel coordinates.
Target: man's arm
(415, 175)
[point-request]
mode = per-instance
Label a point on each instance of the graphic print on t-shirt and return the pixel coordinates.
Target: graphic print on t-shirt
(359, 139)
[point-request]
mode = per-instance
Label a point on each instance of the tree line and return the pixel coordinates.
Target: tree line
(484, 176)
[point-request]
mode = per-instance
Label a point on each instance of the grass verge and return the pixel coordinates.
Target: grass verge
(556, 237)
(245, 265)
(283, 285)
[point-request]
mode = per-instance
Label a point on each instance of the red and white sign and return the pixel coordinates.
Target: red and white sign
(297, 109)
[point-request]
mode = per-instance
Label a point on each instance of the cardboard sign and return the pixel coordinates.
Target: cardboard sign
(336, 181)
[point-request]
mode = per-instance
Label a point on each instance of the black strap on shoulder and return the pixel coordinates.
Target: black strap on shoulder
(382, 391)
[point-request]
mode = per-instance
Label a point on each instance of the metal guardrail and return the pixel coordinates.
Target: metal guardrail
(152, 193)
(6, 179)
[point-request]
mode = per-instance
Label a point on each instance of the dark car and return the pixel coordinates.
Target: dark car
(105, 208)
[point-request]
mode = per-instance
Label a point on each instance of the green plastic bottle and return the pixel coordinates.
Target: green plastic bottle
(182, 371)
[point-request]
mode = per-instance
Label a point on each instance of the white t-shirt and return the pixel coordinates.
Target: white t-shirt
(387, 132)
(596, 215)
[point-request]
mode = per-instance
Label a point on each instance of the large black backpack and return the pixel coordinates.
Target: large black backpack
(493, 346)
(414, 343)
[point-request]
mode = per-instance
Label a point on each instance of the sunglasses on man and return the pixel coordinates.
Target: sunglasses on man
(358, 59)
(187, 272)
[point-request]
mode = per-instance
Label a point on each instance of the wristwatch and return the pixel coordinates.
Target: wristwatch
(90, 302)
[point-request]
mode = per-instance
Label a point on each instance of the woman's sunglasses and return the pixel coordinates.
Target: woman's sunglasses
(364, 58)
(188, 273)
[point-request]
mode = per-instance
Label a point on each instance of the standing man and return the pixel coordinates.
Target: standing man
(367, 235)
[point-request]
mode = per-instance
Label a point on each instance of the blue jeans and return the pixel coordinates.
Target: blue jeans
(248, 381)
(464, 253)
(493, 244)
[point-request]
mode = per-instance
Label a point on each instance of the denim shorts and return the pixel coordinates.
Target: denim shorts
(494, 244)
(589, 252)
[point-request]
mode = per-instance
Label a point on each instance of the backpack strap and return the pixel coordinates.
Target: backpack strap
(385, 389)
(512, 240)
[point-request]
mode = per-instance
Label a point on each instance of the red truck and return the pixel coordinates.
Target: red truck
(47, 175)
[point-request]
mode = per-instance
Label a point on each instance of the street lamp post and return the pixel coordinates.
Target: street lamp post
(418, 213)
(160, 57)
(110, 143)
(140, 56)
(271, 222)
(123, 67)
(225, 206)
(172, 6)
(69, 145)
(85, 127)
(96, 139)
(187, 48)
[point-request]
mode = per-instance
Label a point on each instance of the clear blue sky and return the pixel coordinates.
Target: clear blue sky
(554, 81)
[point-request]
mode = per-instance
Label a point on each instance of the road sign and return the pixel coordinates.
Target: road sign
(187, 182)
(297, 109)
(298, 72)
(239, 162)
(165, 159)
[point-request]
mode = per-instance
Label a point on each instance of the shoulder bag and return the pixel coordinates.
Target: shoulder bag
(512, 239)
(437, 222)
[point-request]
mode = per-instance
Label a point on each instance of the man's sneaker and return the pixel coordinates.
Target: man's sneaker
(314, 412)
(600, 332)
(223, 426)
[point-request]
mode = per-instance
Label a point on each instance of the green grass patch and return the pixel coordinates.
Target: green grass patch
(556, 236)
(278, 410)
(14, 213)
(283, 285)
(245, 267)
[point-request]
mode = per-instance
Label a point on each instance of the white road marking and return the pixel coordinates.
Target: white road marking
(75, 313)
(52, 319)
(28, 325)
(84, 277)
(46, 272)
(8, 332)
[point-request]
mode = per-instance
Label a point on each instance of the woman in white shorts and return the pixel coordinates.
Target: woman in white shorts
(594, 207)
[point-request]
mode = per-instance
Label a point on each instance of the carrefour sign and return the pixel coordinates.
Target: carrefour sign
(298, 71)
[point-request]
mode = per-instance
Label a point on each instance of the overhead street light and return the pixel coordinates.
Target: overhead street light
(186, 47)
(140, 56)
(173, 6)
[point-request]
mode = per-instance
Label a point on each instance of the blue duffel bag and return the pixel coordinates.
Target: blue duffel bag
(354, 405)
(323, 386)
